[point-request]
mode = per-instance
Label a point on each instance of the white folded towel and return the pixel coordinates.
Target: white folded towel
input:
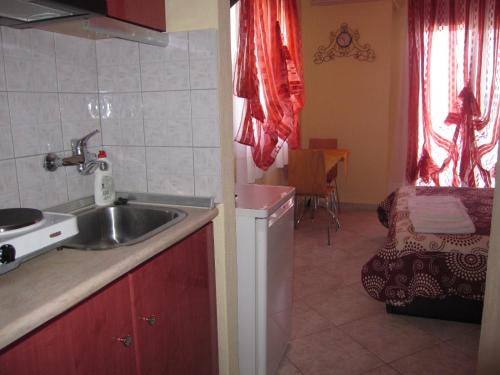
(439, 214)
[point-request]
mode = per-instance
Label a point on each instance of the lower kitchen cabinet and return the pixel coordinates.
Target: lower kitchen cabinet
(173, 300)
(158, 319)
(83, 340)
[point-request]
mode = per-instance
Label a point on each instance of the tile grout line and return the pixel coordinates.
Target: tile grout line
(404, 356)
(10, 122)
(294, 365)
(98, 92)
(188, 37)
(66, 171)
(146, 162)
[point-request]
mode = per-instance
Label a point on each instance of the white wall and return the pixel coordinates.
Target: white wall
(157, 109)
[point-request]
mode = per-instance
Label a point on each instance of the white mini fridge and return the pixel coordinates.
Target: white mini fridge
(264, 232)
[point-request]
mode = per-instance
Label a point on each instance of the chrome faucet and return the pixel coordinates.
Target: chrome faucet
(86, 162)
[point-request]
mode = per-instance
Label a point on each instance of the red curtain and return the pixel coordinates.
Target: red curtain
(453, 118)
(269, 76)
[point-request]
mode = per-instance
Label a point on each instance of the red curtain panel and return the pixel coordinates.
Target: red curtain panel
(454, 99)
(269, 76)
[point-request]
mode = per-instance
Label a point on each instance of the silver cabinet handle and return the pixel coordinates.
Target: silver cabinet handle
(150, 319)
(125, 340)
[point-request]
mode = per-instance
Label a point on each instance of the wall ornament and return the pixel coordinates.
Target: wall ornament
(344, 42)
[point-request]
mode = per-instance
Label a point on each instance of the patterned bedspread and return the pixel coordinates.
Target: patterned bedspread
(426, 264)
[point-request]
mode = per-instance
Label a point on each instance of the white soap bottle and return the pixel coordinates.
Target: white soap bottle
(104, 189)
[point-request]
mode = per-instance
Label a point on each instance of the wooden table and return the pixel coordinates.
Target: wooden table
(335, 155)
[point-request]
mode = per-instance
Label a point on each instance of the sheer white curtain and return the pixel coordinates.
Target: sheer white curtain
(246, 170)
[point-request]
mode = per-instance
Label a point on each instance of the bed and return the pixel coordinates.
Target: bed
(432, 275)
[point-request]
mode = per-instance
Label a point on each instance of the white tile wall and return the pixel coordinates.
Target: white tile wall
(129, 167)
(156, 109)
(118, 68)
(29, 58)
(205, 112)
(122, 119)
(38, 188)
(166, 68)
(170, 170)
(6, 146)
(75, 63)
(207, 171)
(3, 83)
(36, 123)
(79, 116)
(167, 118)
(9, 191)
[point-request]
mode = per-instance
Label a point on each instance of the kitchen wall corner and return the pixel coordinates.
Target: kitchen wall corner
(156, 108)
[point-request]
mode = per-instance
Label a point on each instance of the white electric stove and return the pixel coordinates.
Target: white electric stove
(25, 233)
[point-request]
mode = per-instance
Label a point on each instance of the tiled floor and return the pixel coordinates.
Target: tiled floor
(339, 329)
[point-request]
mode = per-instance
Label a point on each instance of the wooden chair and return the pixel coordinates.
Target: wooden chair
(325, 143)
(306, 172)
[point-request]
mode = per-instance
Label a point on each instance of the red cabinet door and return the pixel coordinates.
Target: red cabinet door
(173, 303)
(150, 13)
(84, 340)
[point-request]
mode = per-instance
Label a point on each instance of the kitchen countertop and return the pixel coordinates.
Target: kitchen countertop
(53, 282)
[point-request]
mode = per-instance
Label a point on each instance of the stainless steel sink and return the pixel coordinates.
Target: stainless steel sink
(103, 228)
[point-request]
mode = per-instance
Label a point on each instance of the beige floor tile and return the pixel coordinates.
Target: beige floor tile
(382, 370)
(306, 321)
(353, 220)
(328, 292)
(374, 231)
(348, 269)
(348, 241)
(307, 241)
(367, 247)
(359, 286)
(330, 352)
(288, 368)
(390, 337)
(443, 329)
(313, 280)
(467, 342)
(301, 264)
(318, 257)
(300, 303)
(440, 359)
(344, 305)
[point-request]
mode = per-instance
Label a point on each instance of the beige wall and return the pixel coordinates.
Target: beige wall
(228, 300)
(348, 99)
(489, 360)
(398, 109)
(183, 15)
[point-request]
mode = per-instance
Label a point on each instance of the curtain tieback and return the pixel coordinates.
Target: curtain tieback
(467, 123)
(469, 108)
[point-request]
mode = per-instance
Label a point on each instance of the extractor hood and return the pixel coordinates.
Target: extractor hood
(83, 18)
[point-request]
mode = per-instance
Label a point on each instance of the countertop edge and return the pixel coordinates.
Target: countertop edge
(53, 306)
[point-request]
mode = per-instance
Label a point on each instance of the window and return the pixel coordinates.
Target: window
(454, 92)
(268, 77)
